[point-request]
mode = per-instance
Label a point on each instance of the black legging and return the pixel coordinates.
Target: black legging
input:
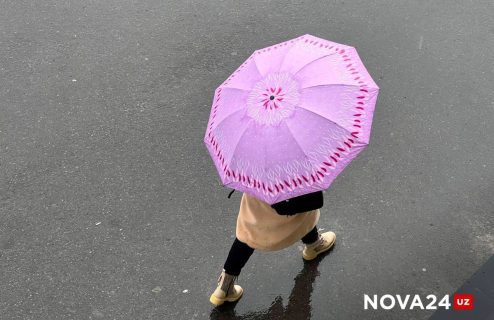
(240, 253)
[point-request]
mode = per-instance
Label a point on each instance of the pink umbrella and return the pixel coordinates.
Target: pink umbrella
(291, 118)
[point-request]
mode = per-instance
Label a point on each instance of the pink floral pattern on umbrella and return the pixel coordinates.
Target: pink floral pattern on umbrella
(273, 98)
(291, 118)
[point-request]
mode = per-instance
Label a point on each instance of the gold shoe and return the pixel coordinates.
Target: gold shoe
(227, 290)
(324, 242)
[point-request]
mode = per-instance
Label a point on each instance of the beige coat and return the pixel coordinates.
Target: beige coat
(262, 228)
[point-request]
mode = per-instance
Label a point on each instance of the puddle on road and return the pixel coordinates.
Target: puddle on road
(299, 301)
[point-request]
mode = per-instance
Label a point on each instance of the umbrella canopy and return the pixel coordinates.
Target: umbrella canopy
(291, 118)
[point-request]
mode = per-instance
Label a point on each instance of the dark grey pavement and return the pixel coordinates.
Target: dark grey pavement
(481, 287)
(110, 207)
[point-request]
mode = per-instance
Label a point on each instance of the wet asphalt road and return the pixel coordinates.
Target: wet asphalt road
(110, 207)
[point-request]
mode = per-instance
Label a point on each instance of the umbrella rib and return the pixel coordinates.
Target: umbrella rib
(228, 116)
(331, 85)
(312, 61)
(238, 141)
(294, 46)
(300, 147)
(320, 115)
(256, 65)
(286, 54)
(226, 86)
(223, 87)
(253, 55)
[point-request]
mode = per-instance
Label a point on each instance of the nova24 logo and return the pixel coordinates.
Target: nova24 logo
(431, 302)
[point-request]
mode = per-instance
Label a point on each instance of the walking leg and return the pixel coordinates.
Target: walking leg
(237, 257)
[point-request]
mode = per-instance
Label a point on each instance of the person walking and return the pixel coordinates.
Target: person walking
(271, 228)
(282, 127)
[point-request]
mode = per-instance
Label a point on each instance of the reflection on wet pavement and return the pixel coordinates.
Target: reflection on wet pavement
(299, 301)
